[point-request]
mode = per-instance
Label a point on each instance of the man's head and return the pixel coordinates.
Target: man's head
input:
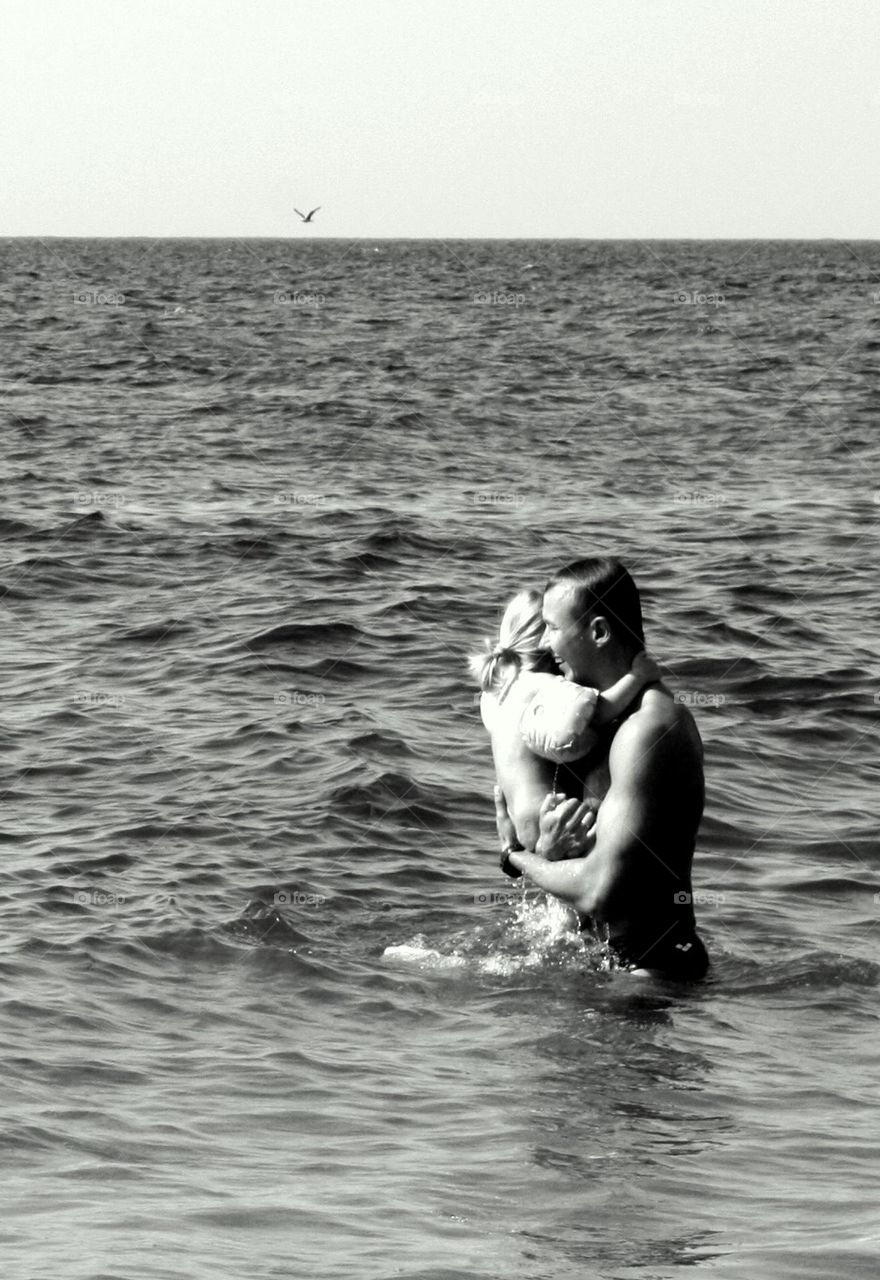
(593, 620)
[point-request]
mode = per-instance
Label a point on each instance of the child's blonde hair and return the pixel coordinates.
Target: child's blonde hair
(518, 646)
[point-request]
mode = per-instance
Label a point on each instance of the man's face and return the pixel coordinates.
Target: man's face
(567, 635)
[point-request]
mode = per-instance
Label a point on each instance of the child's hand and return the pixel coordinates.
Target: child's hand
(567, 830)
(645, 668)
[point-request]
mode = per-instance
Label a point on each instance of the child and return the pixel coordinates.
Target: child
(536, 717)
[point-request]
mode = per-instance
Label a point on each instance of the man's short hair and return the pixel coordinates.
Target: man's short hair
(602, 585)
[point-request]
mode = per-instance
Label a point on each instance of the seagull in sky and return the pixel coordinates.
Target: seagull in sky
(308, 217)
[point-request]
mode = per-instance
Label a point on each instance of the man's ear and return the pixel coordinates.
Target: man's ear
(600, 632)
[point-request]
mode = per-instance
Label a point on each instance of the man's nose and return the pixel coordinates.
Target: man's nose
(545, 639)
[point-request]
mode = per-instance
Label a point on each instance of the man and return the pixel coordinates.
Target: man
(621, 857)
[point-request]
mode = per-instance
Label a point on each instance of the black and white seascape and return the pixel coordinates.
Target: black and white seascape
(269, 1007)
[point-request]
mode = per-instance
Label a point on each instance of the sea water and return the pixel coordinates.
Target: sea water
(269, 1007)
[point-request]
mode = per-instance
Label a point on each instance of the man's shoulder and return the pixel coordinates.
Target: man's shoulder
(659, 728)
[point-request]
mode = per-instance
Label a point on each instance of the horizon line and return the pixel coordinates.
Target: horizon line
(653, 239)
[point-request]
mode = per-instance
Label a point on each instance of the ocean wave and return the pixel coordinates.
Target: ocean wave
(152, 632)
(305, 635)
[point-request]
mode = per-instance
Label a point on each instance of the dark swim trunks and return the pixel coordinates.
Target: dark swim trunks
(678, 954)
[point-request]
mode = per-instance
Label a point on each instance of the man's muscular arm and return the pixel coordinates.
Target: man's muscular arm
(597, 884)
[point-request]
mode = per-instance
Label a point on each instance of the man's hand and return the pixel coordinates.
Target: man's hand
(567, 825)
(560, 864)
(569, 880)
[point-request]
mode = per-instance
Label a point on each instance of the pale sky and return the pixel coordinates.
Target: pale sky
(443, 118)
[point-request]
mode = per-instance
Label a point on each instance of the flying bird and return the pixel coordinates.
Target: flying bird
(308, 217)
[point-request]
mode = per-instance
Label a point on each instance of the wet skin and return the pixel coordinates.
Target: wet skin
(645, 791)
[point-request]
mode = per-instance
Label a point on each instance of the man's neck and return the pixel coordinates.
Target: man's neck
(608, 669)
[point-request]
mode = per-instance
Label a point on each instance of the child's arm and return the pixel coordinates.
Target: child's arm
(614, 701)
(526, 798)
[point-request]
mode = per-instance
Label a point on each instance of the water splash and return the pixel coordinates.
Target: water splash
(529, 933)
